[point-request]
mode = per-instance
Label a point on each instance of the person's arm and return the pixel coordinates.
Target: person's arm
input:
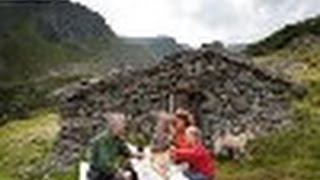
(186, 154)
(129, 153)
(124, 150)
(92, 154)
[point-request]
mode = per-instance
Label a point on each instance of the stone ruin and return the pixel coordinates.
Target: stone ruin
(224, 93)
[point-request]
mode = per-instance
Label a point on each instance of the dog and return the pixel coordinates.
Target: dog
(233, 145)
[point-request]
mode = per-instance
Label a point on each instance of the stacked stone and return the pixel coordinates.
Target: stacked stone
(223, 93)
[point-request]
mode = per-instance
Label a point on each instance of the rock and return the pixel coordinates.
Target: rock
(222, 92)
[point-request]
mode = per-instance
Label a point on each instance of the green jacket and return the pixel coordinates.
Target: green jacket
(108, 153)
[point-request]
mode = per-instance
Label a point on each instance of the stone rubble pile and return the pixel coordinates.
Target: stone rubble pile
(223, 93)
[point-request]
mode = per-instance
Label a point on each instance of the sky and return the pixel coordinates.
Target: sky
(202, 21)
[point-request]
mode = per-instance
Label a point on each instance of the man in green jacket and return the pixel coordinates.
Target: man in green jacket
(108, 151)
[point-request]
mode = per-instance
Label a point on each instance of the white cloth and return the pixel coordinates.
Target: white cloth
(84, 169)
(145, 170)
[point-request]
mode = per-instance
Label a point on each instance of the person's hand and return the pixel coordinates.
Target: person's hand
(172, 151)
(172, 148)
(123, 174)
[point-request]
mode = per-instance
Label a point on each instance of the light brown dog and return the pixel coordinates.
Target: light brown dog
(233, 145)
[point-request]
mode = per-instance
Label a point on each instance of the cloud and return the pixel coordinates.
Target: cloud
(197, 21)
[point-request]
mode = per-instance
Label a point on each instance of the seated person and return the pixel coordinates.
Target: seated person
(182, 120)
(157, 164)
(163, 129)
(161, 142)
(201, 163)
(109, 153)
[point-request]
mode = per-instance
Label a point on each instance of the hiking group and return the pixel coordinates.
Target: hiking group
(176, 144)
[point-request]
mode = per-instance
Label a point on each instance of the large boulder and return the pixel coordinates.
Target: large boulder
(224, 93)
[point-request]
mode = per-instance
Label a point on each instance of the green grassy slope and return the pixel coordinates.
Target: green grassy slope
(26, 55)
(25, 143)
(25, 146)
(281, 38)
(34, 61)
(293, 154)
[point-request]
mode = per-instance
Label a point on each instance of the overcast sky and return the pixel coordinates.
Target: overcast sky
(198, 21)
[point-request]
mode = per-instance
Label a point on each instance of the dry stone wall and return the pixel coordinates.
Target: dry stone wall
(223, 92)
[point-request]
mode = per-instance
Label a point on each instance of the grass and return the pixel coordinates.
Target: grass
(26, 143)
(293, 154)
(27, 54)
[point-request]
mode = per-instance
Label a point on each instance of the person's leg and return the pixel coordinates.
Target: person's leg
(133, 174)
(192, 175)
(96, 174)
(93, 174)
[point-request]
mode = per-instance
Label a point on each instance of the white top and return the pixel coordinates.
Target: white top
(150, 166)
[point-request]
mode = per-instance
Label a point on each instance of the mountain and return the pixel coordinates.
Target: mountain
(46, 44)
(228, 91)
(283, 37)
(236, 48)
(292, 51)
(42, 36)
(160, 46)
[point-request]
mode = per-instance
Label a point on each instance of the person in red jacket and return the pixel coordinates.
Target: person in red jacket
(183, 119)
(200, 160)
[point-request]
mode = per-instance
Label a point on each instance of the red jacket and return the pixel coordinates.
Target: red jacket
(180, 140)
(198, 157)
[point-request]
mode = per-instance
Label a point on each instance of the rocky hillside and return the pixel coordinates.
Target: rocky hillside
(161, 46)
(223, 92)
(61, 37)
(58, 20)
(45, 44)
(292, 51)
(286, 36)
